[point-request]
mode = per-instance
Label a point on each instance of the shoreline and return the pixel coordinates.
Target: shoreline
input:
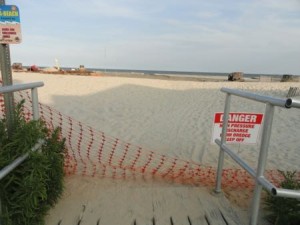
(160, 76)
(165, 75)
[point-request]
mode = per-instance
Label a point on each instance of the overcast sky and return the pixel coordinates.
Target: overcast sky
(258, 36)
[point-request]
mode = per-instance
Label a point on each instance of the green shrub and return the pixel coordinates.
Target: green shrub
(28, 192)
(284, 211)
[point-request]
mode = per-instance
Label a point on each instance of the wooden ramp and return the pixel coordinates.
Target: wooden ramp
(93, 201)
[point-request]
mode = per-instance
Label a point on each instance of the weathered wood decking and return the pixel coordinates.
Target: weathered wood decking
(130, 203)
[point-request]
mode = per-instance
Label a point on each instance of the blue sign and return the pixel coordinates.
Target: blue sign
(10, 26)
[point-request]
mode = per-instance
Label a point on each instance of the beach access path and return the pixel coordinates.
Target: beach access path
(103, 201)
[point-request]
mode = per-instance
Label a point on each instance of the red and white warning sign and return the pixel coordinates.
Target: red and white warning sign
(242, 128)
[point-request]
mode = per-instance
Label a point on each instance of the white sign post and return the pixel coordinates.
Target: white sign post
(243, 128)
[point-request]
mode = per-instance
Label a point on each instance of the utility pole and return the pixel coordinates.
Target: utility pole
(7, 80)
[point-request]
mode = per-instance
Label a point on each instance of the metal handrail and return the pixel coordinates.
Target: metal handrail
(20, 87)
(264, 182)
(259, 98)
(34, 95)
(260, 180)
(287, 103)
(6, 170)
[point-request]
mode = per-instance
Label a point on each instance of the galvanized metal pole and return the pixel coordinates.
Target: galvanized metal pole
(265, 140)
(35, 103)
(223, 140)
(7, 80)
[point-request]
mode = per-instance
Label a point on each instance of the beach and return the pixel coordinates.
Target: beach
(168, 116)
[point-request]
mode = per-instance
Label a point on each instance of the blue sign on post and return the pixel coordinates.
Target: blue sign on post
(10, 26)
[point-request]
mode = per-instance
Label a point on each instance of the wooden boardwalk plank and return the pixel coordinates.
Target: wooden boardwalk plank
(214, 217)
(229, 214)
(142, 204)
(199, 221)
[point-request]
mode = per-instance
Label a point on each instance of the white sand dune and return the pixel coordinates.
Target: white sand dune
(170, 117)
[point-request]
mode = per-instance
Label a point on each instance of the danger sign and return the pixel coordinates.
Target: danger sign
(242, 128)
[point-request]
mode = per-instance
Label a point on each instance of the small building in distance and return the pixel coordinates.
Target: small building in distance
(236, 76)
(17, 66)
(81, 68)
(287, 78)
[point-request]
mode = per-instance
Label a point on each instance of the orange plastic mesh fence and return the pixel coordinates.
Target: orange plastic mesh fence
(94, 153)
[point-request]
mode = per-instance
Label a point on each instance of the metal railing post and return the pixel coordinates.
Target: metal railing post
(223, 140)
(265, 140)
(35, 103)
(7, 169)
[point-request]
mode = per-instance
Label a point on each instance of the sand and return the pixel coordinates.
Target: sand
(173, 117)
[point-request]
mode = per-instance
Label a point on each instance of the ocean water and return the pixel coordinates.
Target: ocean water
(156, 72)
(181, 73)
